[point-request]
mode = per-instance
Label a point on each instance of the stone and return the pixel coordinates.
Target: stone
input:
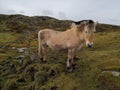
(21, 50)
(114, 73)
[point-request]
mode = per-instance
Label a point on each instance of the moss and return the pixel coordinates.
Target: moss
(109, 81)
(7, 37)
(26, 61)
(64, 83)
(115, 68)
(30, 86)
(29, 72)
(110, 65)
(10, 85)
(55, 70)
(41, 78)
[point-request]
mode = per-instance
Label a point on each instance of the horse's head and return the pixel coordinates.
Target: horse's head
(88, 28)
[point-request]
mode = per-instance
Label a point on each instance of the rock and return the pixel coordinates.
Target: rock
(21, 50)
(33, 56)
(20, 58)
(1, 46)
(114, 73)
(26, 52)
(13, 47)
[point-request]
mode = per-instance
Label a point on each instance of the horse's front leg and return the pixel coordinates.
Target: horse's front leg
(76, 57)
(71, 53)
(42, 54)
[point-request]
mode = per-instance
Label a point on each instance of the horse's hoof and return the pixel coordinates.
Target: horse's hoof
(74, 66)
(69, 69)
(42, 60)
(76, 58)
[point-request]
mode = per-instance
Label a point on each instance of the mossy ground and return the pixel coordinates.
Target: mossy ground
(30, 74)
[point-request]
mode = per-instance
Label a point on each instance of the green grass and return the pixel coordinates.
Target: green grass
(33, 75)
(88, 73)
(7, 37)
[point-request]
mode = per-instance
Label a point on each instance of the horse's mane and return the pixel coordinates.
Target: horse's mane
(79, 22)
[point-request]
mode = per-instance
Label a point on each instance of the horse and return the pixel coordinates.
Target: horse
(71, 39)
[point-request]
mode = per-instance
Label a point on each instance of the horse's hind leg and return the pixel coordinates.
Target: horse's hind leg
(41, 46)
(42, 53)
(71, 53)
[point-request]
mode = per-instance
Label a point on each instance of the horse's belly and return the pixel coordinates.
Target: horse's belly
(59, 44)
(56, 46)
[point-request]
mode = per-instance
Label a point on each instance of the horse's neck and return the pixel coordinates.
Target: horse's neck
(80, 35)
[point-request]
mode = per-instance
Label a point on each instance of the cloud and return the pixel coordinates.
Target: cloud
(15, 12)
(77, 10)
(47, 12)
(11, 11)
(114, 21)
(62, 15)
(21, 12)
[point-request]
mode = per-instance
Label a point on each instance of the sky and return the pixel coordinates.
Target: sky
(103, 11)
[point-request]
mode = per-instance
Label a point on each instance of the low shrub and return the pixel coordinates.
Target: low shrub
(10, 85)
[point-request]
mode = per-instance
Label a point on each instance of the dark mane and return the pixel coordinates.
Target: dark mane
(90, 21)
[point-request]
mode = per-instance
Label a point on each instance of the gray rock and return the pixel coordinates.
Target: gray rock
(21, 50)
(26, 52)
(33, 56)
(13, 47)
(20, 58)
(114, 73)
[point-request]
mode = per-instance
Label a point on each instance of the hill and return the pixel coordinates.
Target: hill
(20, 23)
(97, 68)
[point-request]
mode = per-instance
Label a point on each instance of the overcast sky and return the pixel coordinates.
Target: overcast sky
(103, 11)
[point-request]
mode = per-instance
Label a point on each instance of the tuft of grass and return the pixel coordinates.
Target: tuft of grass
(7, 37)
(109, 82)
(10, 85)
(41, 78)
(29, 72)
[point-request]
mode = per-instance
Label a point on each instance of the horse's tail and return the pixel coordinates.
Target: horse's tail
(39, 43)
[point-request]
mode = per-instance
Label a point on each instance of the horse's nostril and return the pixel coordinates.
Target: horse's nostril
(89, 46)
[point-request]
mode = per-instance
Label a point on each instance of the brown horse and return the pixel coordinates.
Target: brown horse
(71, 39)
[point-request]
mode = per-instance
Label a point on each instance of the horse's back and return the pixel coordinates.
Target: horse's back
(48, 33)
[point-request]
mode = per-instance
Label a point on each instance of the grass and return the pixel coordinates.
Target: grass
(30, 74)
(87, 76)
(7, 37)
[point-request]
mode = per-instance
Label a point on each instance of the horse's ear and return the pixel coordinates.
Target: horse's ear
(73, 25)
(82, 25)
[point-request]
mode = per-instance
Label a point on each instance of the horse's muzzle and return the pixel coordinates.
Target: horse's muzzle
(89, 45)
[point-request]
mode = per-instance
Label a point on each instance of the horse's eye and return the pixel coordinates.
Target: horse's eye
(86, 31)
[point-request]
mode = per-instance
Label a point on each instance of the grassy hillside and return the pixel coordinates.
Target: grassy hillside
(97, 68)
